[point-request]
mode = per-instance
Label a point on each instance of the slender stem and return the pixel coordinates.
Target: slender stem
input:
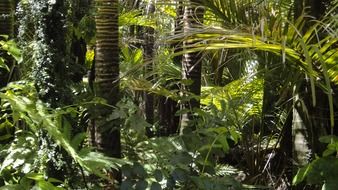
(208, 154)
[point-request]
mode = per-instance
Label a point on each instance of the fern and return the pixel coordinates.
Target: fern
(38, 117)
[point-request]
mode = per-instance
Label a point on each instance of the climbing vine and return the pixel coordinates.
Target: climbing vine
(46, 37)
(45, 32)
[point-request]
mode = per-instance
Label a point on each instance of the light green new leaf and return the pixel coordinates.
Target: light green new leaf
(3, 64)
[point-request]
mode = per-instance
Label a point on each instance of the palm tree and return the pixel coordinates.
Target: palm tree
(192, 62)
(168, 107)
(106, 135)
(148, 49)
(286, 50)
(311, 119)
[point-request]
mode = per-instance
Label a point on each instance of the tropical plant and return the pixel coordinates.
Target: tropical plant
(28, 117)
(279, 44)
(180, 94)
(6, 27)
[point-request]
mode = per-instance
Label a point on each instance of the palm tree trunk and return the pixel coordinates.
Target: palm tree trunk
(107, 135)
(192, 62)
(167, 106)
(306, 127)
(309, 120)
(148, 49)
(107, 71)
(300, 136)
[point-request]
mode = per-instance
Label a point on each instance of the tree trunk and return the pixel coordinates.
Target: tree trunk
(306, 126)
(50, 72)
(300, 136)
(6, 28)
(6, 17)
(191, 62)
(107, 135)
(43, 23)
(309, 121)
(148, 49)
(168, 107)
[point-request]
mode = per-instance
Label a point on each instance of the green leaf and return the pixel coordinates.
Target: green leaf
(127, 185)
(318, 172)
(136, 18)
(139, 171)
(36, 114)
(330, 185)
(179, 175)
(224, 142)
(5, 137)
(187, 82)
(328, 139)
(35, 176)
(158, 175)
(155, 186)
(141, 185)
(12, 49)
(4, 36)
(76, 141)
(234, 134)
(138, 124)
(11, 187)
(66, 127)
(45, 185)
(328, 152)
(3, 64)
(255, 187)
(215, 183)
(138, 56)
(182, 158)
(99, 100)
(127, 171)
(301, 174)
(6, 125)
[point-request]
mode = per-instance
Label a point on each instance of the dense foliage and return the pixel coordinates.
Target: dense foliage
(168, 94)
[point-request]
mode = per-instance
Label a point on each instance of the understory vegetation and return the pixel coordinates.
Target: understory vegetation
(168, 94)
